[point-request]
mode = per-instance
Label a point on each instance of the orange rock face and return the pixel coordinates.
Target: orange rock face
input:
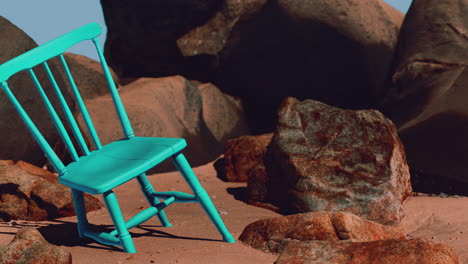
(267, 235)
(379, 252)
(242, 154)
(28, 192)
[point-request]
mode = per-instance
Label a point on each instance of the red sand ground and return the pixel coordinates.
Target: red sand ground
(193, 239)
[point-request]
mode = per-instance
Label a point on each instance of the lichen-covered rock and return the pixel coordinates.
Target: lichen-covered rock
(391, 251)
(31, 193)
(268, 234)
(30, 247)
(429, 87)
(260, 50)
(326, 159)
(242, 154)
(173, 107)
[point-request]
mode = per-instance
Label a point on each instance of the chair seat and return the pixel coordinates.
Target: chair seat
(119, 162)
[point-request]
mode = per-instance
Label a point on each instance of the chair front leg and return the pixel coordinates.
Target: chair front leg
(184, 167)
(113, 207)
(80, 210)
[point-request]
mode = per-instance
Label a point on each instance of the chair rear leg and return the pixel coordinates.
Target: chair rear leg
(184, 167)
(80, 210)
(113, 207)
(148, 191)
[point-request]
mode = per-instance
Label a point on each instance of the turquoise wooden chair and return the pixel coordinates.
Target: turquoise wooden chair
(100, 170)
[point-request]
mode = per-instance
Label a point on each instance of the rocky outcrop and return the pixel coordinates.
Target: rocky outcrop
(430, 84)
(241, 155)
(260, 50)
(173, 107)
(29, 246)
(269, 234)
(391, 251)
(327, 159)
(31, 193)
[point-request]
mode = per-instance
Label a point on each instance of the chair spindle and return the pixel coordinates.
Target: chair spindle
(123, 117)
(49, 152)
(55, 118)
(66, 109)
(84, 112)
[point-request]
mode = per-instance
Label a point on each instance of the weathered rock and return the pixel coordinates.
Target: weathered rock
(268, 234)
(260, 50)
(30, 247)
(257, 187)
(173, 107)
(327, 159)
(160, 23)
(31, 193)
(430, 61)
(430, 84)
(242, 154)
(14, 42)
(391, 251)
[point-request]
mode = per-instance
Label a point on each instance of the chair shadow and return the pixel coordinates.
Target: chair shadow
(63, 233)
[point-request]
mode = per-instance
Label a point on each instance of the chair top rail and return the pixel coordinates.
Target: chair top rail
(48, 50)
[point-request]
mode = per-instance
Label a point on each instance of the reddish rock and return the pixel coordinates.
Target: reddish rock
(391, 251)
(327, 159)
(268, 234)
(257, 186)
(31, 193)
(242, 154)
(30, 247)
(429, 87)
(260, 50)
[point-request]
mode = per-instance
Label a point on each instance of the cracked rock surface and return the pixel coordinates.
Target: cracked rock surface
(28, 192)
(326, 159)
(268, 234)
(389, 251)
(29, 246)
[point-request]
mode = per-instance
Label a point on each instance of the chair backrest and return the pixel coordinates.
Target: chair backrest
(40, 55)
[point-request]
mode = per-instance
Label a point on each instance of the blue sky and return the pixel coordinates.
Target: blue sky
(44, 20)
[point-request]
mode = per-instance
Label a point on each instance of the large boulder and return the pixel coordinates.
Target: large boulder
(173, 107)
(260, 50)
(31, 193)
(269, 234)
(29, 246)
(430, 86)
(390, 251)
(13, 42)
(323, 158)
